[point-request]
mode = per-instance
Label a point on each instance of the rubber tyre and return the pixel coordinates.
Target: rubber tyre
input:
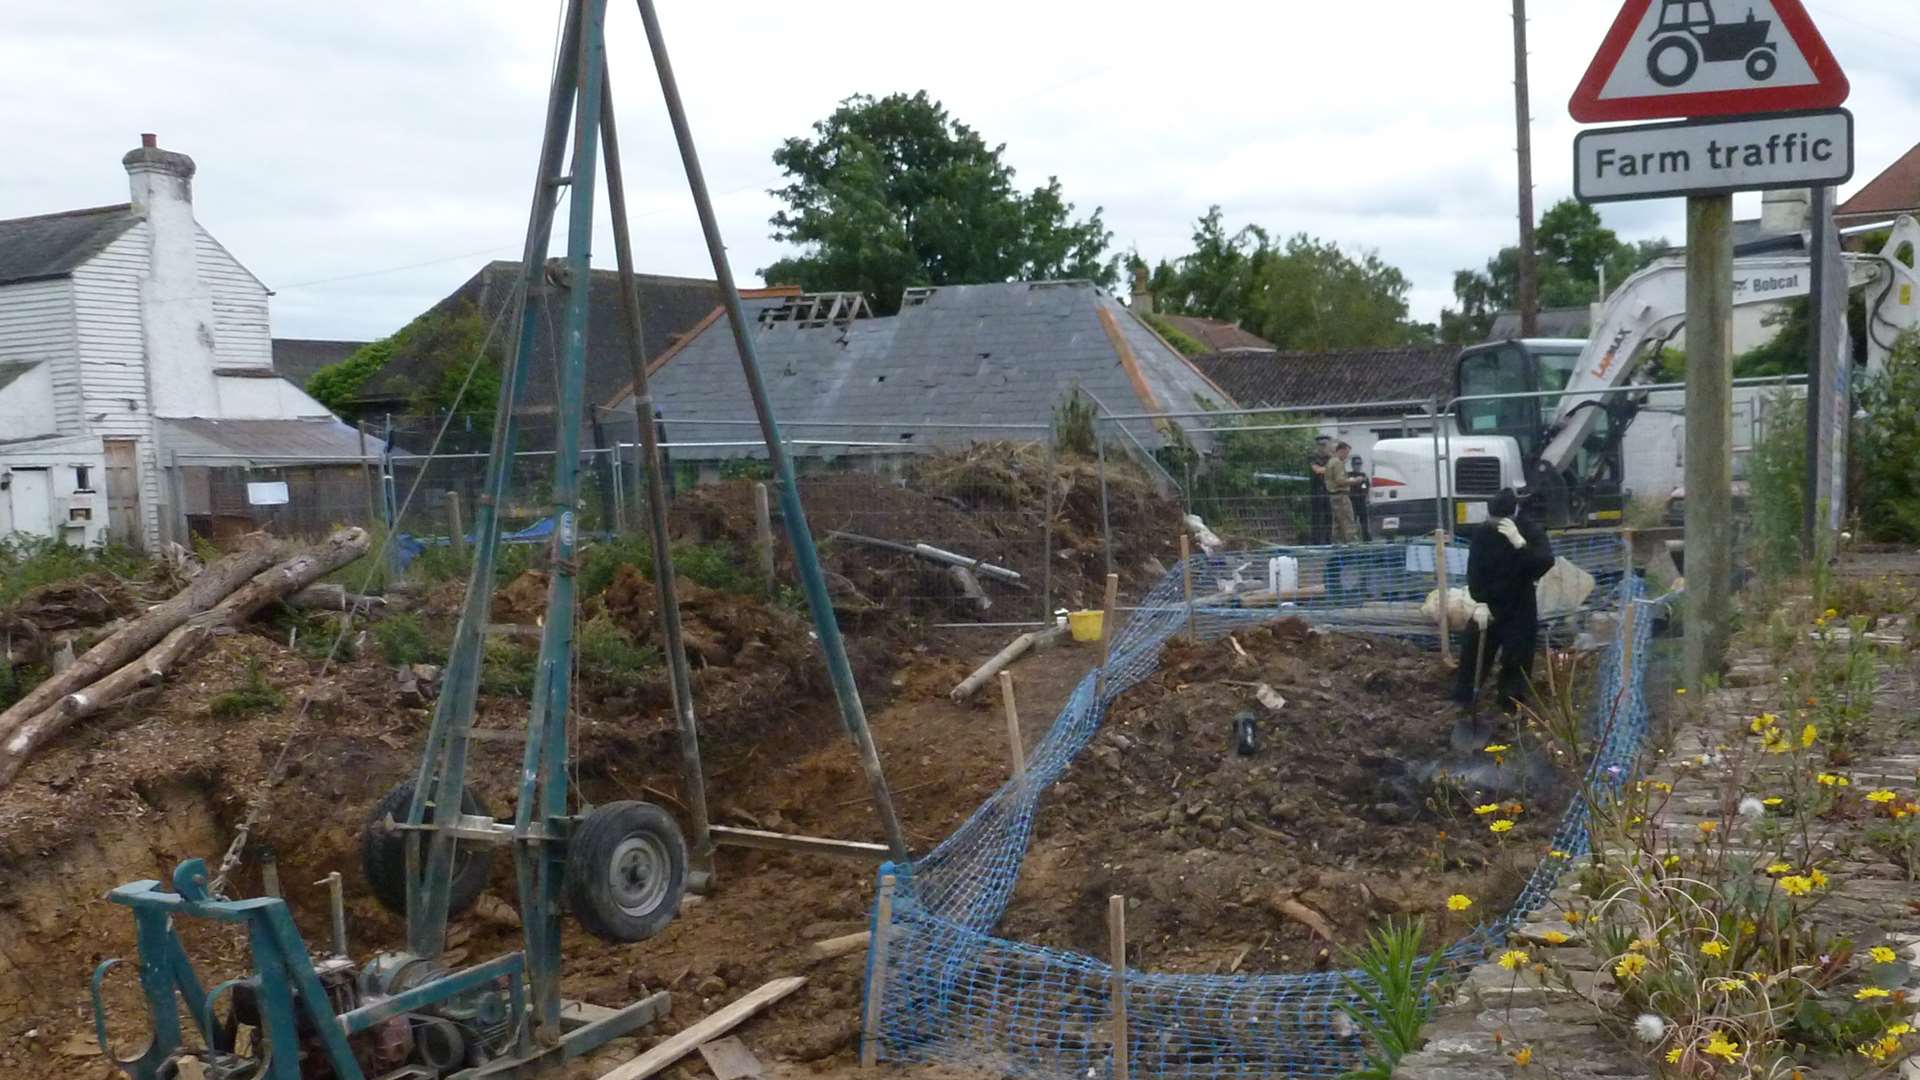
(1687, 49)
(1761, 64)
(626, 871)
(383, 855)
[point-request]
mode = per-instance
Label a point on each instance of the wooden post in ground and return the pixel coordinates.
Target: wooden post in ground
(1186, 580)
(763, 535)
(877, 981)
(1628, 614)
(366, 467)
(1106, 636)
(1117, 933)
(1626, 558)
(1440, 580)
(1015, 745)
(1709, 460)
(457, 522)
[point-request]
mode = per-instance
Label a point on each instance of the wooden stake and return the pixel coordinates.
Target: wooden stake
(1186, 576)
(457, 523)
(1106, 636)
(763, 534)
(1016, 747)
(1117, 933)
(1440, 577)
(877, 981)
(1627, 616)
(1626, 541)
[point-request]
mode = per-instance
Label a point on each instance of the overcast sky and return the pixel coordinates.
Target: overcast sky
(363, 157)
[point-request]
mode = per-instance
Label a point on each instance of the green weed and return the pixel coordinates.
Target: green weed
(1396, 987)
(253, 695)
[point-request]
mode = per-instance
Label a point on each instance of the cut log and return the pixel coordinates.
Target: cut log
(239, 606)
(838, 946)
(335, 598)
(969, 587)
(1020, 646)
(127, 643)
(689, 1040)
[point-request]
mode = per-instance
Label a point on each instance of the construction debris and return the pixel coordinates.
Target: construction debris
(691, 1039)
(1020, 646)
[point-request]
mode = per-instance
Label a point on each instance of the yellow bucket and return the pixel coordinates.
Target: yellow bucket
(1086, 625)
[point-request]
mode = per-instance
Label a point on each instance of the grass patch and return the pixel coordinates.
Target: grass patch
(403, 640)
(609, 657)
(253, 695)
(28, 562)
(508, 668)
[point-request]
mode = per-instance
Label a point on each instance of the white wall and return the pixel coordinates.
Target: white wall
(112, 348)
(36, 327)
(51, 472)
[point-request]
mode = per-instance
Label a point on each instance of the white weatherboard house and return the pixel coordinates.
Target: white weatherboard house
(129, 339)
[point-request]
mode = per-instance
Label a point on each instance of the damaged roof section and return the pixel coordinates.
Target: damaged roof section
(981, 357)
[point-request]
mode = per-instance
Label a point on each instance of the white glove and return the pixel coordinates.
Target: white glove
(1511, 531)
(1482, 615)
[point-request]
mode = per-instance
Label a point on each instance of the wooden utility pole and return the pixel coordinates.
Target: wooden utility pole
(1528, 299)
(1709, 472)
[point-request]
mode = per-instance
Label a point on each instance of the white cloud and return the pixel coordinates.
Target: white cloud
(337, 142)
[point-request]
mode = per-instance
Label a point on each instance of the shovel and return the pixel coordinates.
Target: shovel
(1469, 732)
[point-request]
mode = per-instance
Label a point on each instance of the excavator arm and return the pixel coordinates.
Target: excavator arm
(1650, 308)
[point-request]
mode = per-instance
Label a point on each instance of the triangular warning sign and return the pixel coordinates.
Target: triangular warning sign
(1692, 58)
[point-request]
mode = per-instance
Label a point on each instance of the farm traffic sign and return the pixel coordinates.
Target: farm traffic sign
(1692, 58)
(1712, 157)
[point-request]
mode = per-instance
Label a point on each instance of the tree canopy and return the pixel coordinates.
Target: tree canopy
(443, 343)
(1303, 293)
(1573, 245)
(891, 193)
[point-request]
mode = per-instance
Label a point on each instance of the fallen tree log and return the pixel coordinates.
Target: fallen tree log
(335, 598)
(156, 663)
(1020, 646)
(209, 588)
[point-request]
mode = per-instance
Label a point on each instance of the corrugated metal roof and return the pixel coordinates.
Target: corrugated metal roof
(53, 245)
(1321, 382)
(262, 440)
(975, 355)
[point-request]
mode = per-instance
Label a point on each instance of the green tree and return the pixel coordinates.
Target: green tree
(1887, 443)
(441, 345)
(892, 193)
(1306, 293)
(1574, 248)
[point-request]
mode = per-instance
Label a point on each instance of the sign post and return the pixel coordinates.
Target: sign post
(1758, 98)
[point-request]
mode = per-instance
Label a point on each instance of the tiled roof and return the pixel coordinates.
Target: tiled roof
(1897, 190)
(296, 359)
(669, 307)
(971, 355)
(1322, 382)
(53, 245)
(1216, 335)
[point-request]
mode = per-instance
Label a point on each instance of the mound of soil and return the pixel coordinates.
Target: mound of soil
(1278, 859)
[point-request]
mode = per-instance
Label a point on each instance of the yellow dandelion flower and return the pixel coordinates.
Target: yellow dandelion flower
(1630, 965)
(1880, 1049)
(1729, 986)
(1714, 949)
(1880, 796)
(1490, 808)
(1795, 885)
(1501, 826)
(1809, 735)
(1556, 853)
(1574, 918)
(1718, 1045)
(1778, 868)
(1831, 613)
(1498, 748)
(1674, 1055)
(1774, 742)
(1773, 800)
(1554, 937)
(1709, 826)
(1513, 958)
(1828, 779)
(1819, 879)
(1680, 691)
(1882, 955)
(1869, 993)
(1523, 1057)
(1459, 902)
(1759, 724)
(1671, 861)
(1900, 1029)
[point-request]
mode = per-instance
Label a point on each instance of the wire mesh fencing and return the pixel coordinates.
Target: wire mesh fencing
(952, 991)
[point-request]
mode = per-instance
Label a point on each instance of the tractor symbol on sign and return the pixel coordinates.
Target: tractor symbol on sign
(1689, 34)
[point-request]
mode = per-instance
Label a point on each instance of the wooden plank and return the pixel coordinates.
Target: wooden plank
(877, 980)
(1016, 747)
(730, 1059)
(837, 946)
(1117, 934)
(704, 1031)
(799, 845)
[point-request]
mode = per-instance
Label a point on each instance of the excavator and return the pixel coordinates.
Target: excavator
(1535, 415)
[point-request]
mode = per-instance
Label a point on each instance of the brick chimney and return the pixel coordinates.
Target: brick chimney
(1142, 302)
(176, 306)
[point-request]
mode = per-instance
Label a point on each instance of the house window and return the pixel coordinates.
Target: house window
(82, 477)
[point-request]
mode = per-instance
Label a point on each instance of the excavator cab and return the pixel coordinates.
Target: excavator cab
(1509, 390)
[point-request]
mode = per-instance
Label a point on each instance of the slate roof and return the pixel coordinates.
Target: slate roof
(1218, 336)
(1570, 322)
(1319, 382)
(1894, 191)
(296, 359)
(669, 307)
(53, 245)
(264, 441)
(972, 355)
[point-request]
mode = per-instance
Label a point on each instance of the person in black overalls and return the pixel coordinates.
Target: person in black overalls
(1320, 502)
(1507, 558)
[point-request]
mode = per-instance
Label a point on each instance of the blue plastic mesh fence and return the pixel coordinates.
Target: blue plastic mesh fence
(954, 992)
